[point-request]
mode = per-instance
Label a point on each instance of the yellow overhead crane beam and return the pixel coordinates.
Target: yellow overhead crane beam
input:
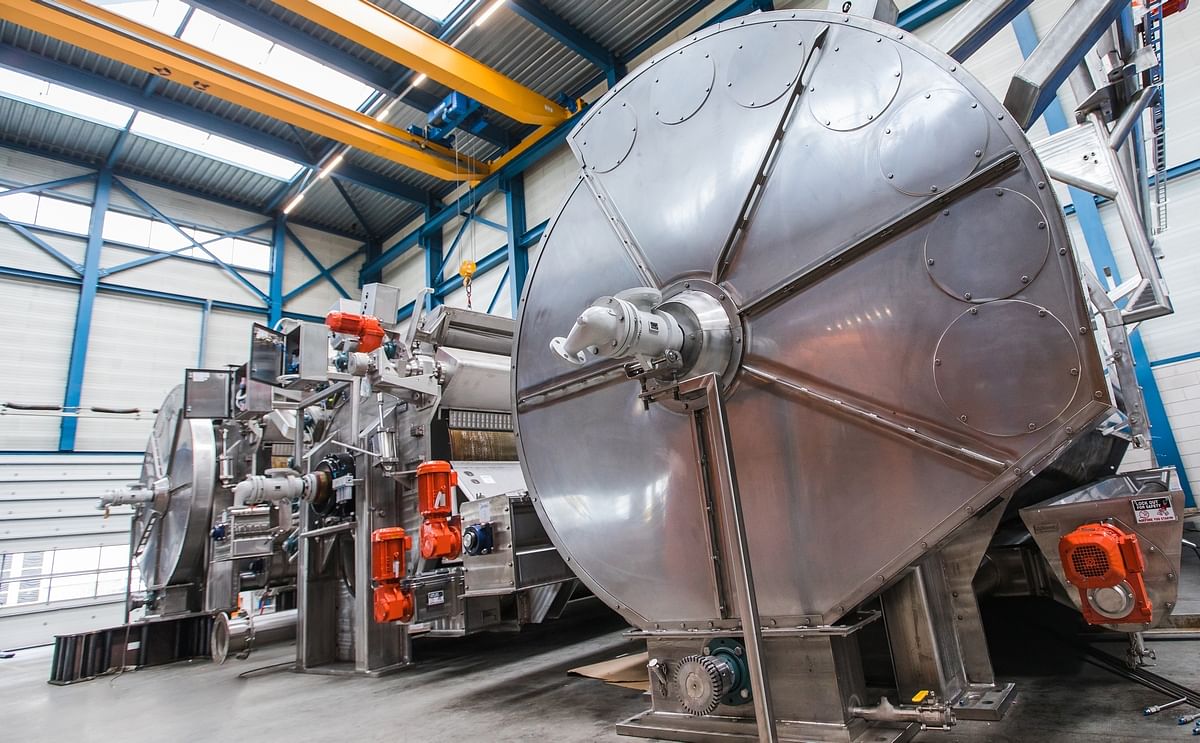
(373, 27)
(99, 31)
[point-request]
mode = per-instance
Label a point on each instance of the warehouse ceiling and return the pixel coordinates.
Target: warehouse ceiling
(61, 101)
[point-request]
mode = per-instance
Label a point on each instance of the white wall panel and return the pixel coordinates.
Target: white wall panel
(18, 252)
(547, 183)
(183, 208)
(44, 498)
(407, 273)
(137, 352)
(328, 249)
(36, 338)
(24, 169)
(191, 278)
(228, 338)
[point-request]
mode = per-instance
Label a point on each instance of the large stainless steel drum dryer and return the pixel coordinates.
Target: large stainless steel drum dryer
(806, 320)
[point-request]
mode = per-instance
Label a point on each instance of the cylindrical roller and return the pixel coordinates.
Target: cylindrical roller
(231, 636)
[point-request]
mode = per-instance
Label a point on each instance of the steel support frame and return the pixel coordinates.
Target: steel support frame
(1162, 437)
(90, 282)
(126, 95)
(86, 276)
(278, 257)
(572, 38)
(389, 35)
(517, 252)
(431, 243)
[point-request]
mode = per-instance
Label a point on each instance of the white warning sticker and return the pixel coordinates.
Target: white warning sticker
(1151, 510)
(436, 598)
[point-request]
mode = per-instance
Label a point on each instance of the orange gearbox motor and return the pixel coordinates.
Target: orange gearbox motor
(389, 553)
(441, 531)
(368, 329)
(1106, 564)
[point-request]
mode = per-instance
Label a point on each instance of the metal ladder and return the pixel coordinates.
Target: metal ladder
(151, 520)
(1153, 30)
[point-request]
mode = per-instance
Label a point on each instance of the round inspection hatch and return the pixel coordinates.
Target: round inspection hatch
(855, 81)
(753, 84)
(607, 137)
(932, 141)
(989, 245)
(682, 83)
(986, 358)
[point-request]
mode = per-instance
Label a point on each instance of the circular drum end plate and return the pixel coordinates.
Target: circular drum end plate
(682, 83)
(933, 140)
(985, 357)
(604, 143)
(988, 245)
(857, 85)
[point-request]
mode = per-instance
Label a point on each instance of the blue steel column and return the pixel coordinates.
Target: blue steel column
(373, 251)
(431, 243)
(1162, 438)
(278, 252)
(83, 313)
(518, 254)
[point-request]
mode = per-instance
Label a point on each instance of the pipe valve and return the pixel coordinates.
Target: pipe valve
(626, 325)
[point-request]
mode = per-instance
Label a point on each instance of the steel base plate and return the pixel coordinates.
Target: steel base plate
(348, 669)
(669, 726)
(985, 703)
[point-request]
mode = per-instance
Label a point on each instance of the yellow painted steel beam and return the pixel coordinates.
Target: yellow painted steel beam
(108, 34)
(373, 27)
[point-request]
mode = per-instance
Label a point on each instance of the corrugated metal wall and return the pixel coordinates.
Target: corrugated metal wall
(48, 503)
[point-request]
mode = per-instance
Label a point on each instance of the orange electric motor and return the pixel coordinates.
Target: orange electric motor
(441, 531)
(389, 552)
(369, 331)
(1105, 564)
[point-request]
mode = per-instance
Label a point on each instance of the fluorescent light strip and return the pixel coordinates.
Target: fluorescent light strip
(488, 13)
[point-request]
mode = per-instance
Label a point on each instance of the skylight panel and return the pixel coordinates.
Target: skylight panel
(214, 146)
(247, 48)
(55, 97)
(161, 15)
(438, 10)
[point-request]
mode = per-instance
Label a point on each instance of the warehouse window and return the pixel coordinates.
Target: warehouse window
(131, 229)
(19, 207)
(64, 575)
(438, 10)
(55, 97)
(46, 211)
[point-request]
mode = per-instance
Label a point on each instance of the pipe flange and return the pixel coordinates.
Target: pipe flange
(714, 337)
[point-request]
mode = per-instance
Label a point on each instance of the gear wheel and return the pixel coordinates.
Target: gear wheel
(701, 681)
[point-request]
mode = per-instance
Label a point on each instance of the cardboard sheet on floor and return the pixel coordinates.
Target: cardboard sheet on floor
(628, 671)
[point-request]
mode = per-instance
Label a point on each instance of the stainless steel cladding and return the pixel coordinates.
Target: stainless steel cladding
(885, 250)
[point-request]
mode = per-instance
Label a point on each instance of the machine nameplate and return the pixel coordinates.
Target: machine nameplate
(1151, 510)
(435, 598)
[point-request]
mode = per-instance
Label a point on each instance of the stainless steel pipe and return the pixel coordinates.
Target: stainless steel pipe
(234, 635)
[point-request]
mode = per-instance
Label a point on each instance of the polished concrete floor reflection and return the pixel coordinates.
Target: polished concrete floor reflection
(515, 688)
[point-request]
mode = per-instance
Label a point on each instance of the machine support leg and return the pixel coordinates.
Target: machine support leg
(735, 536)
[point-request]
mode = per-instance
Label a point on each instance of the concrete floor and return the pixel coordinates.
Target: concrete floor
(515, 688)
